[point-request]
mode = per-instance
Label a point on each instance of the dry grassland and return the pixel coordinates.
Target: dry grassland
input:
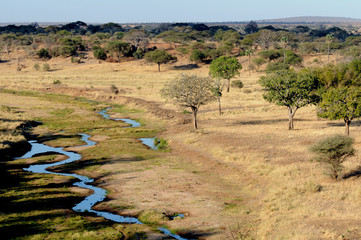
(242, 167)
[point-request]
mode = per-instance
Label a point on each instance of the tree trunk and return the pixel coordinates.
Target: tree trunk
(347, 126)
(158, 67)
(291, 114)
(249, 64)
(334, 173)
(228, 84)
(284, 55)
(219, 106)
(195, 110)
(328, 53)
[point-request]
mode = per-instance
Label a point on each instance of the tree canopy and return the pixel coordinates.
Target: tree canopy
(226, 68)
(190, 91)
(159, 57)
(290, 89)
(333, 151)
(341, 103)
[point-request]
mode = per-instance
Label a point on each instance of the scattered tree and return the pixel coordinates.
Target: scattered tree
(258, 61)
(217, 91)
(99, 53)
(284, 41)
(119, 49)
(159, 57)
(226, 68)
(251, 27)
(189, 91)
(341, 103)
(138, 38)
(333, 151)
(249, 53)
(43, 53)
(329, 38)
(197, 56)
(290, 89)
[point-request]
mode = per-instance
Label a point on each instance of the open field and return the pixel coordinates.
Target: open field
(242, 171)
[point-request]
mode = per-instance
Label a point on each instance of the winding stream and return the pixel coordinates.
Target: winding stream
(84, 181)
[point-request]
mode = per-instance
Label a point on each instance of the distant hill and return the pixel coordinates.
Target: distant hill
(312, 19)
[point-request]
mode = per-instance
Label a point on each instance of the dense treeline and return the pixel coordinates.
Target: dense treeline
(202, 43)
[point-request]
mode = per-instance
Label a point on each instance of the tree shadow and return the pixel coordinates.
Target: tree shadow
(342, 124)
(353, 173)
(271, 121)
(190, 234)
(186, 67)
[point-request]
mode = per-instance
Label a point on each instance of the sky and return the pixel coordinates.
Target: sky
(141, 11)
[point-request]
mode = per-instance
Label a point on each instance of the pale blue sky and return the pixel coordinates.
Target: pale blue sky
(125, 11)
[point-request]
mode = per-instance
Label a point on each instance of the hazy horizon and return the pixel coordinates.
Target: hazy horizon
(158, 11)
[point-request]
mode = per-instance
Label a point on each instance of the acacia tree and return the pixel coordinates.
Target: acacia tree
(217, 91)
(249, 53)
(341, 103)
(138, 37)
(284, 41)
(329, 38)
(226, 68)
(159, 57)
(290, 89)
(189, 91)
(333, 151)
(118, 48)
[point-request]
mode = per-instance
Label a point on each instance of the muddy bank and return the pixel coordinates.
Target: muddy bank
(12, 148)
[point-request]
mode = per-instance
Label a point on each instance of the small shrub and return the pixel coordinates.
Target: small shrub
(182, 50)
(237, 84)
(151, 217)
(333, 151)
(247, 91)
(75, 60)
(312, 187)
(43, 53)
(114, 89)
(277, 66)
(99, 53)
(197, 56)
(6, 109)
(160, 143)
(46, 67)
(36, 67)
(57, 82)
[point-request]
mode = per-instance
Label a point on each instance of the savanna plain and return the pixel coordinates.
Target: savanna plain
(240, 175)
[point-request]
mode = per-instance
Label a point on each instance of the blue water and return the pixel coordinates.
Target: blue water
(149, 142)
(98, 193)
(131, 122)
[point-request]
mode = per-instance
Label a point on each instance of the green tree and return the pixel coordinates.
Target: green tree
(159, 57)
(290, 89)
(118, 48)
(226, 68)
(249, 53)
(258, 61)
(43, 53)
(99, 53)
(341, 103)
(217, 90)
(197, 56)
(329, 38)
(333, 151)
(189, 91)
(284, 41)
